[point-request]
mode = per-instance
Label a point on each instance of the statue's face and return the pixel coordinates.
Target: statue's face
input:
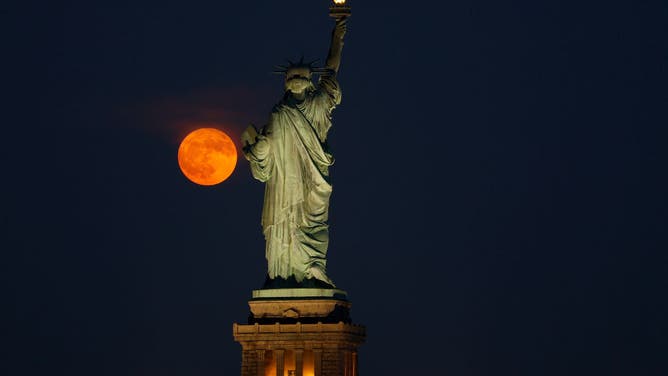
(297, 79)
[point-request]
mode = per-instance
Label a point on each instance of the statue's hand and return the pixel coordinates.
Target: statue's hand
(340, 28)
(262, 145)
(248, 136)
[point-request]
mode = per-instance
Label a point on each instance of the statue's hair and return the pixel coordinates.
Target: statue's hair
(283, 69)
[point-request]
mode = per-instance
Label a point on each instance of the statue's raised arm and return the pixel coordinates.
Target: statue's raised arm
(334, 56)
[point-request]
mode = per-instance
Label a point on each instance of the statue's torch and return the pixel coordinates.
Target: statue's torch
(339, 10)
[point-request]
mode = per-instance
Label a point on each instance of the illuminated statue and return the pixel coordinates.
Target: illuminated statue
(290, 155)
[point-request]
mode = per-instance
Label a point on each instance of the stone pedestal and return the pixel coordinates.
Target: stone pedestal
(302, 333)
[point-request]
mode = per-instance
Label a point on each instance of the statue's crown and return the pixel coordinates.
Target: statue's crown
(311, 66)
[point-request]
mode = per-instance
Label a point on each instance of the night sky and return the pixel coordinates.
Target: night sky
(500, 183)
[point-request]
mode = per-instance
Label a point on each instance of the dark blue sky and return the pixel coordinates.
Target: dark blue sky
(499, 201)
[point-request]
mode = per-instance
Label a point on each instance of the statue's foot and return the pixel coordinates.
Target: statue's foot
(319, 274)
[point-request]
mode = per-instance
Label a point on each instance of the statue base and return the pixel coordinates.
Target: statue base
(299, 293)
(299, 331)
(299, 328)
(289, 306)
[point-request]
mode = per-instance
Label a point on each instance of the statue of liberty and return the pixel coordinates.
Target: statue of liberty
(290, 155)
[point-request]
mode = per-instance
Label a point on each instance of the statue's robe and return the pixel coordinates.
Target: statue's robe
(294, 163)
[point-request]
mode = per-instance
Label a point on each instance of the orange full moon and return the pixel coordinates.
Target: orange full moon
(207, 156)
